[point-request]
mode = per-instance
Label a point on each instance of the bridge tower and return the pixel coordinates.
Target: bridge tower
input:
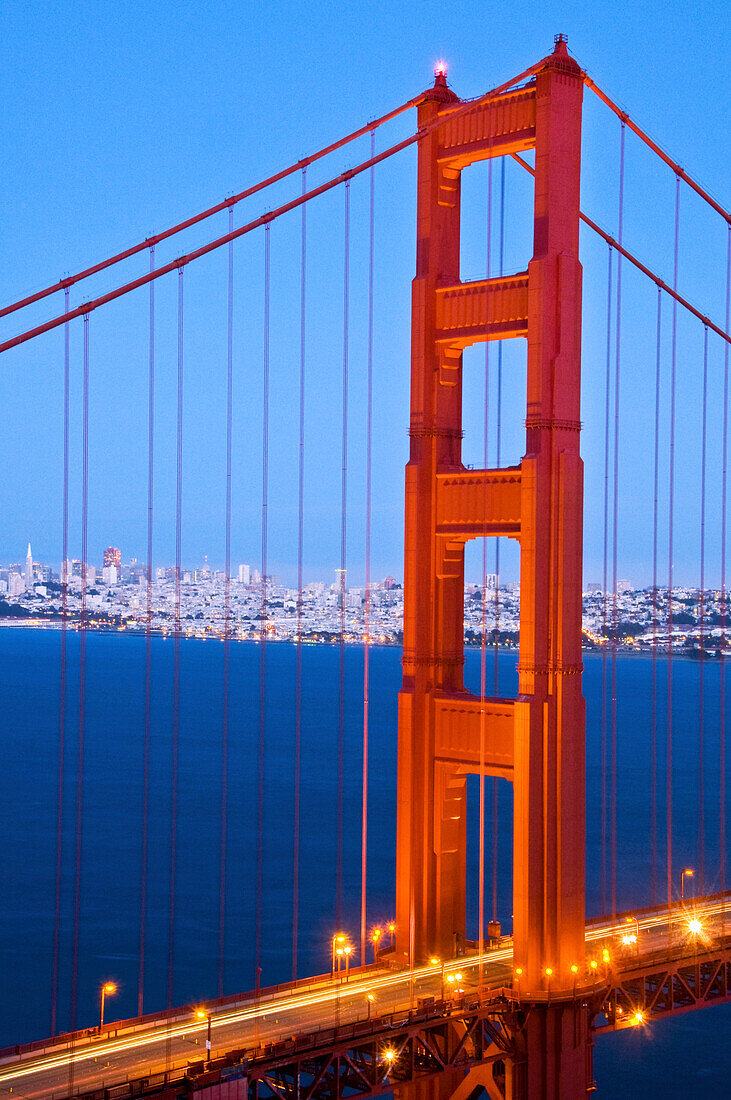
(537, 739)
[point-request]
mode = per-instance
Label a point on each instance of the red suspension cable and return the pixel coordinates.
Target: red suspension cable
(655, 618)
(483, 632)
(722, 699)
(343, 557)
(660, 283)
(148, 644)
(300, 588)
(149, 242)
(679, 173)
(367, 604)
(605, 618)
(62, 686)
(496, 597)
(82, 676)
(176, 647)
(615, 532)
(264, 219)
(671, 502)
(263, 629)
(226, 614)
(701, 624)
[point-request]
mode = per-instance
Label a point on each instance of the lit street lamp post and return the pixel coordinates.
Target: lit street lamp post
(108, 990)
(206, 1016)
(687, 872)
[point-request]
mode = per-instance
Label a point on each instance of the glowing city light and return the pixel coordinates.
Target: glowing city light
(694, 926)
(440, 69)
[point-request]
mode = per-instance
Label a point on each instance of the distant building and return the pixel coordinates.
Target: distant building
(490, 581)
(256, 577)
(244, 574)
(29, 570)
(110, 574)
(389, 583)
(113, 556)
(16, 584)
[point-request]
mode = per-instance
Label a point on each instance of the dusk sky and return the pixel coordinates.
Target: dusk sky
(118, 121)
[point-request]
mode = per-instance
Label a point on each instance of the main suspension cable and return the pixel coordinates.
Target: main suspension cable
(660, 283)
(655, 618)
(267, 218)
(678, 171)
(229, 202)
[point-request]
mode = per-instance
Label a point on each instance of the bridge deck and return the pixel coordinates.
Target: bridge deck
(669, 969)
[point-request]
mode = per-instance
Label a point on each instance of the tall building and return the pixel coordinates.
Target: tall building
(113, 556)
(244, 574)
(29, 569)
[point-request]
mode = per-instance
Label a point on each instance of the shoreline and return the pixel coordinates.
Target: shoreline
(156, 632)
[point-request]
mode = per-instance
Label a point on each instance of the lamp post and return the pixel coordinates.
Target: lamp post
(206, 1016)
(687, 872)
(376, 938)
(392, 930)
(370, 998)
(439, 962)
(347, 952)
(338, 938)
(108, 990)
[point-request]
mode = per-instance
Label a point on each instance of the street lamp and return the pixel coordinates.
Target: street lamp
(338, 938)
(347, 952)
(434, 961)
(108, 990)
(370, 999)
(376, 938)
(391, 926)
(687, 872)
(206, 1016)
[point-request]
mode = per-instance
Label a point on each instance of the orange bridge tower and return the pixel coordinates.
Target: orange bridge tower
(536, 740)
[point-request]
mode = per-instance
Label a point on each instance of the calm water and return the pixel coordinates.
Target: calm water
(652, 1064)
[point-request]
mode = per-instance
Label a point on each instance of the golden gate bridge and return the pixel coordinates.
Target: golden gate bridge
(436, 1012)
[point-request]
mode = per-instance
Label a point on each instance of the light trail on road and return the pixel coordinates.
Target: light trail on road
(305, 1011)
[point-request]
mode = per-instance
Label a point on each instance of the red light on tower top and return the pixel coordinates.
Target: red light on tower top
(440, 69)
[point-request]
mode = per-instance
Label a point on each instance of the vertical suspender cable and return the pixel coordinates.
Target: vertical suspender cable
(615, 529)
(496, 605)
(653, 762)
(671, 500)
(367, 605)
(176, 646)
(605, 709)
(148, 643)
(701, 623)
(263, 628)
(343, 546)
(483, 632)
(82, 673)
(300, 577)
(722, 697)
(668, 759)
(226, 612)
(62, 686)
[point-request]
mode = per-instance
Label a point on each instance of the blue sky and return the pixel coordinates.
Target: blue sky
(117, 122)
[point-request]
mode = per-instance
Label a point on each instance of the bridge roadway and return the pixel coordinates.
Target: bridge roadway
(133, 1049)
